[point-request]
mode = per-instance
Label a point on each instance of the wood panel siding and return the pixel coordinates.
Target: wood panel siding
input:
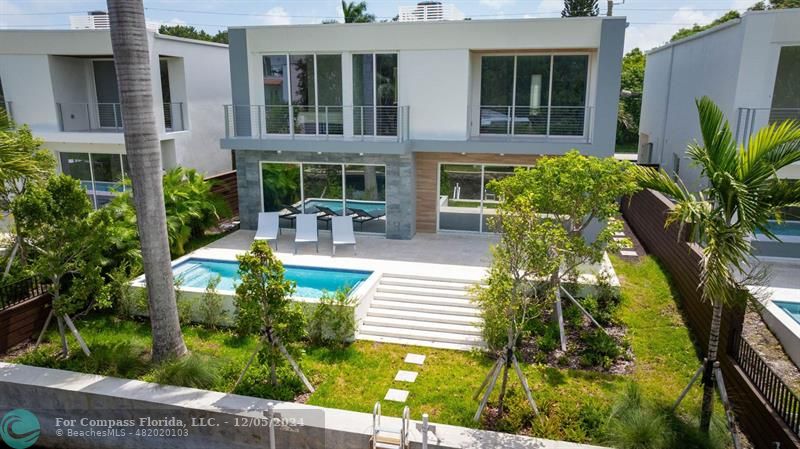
(224, 184)
(427, 178)
(23, 321)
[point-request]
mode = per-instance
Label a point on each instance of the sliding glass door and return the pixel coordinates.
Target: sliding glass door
(466, 202)
(102, 175)
(326, 190)
(375, 94)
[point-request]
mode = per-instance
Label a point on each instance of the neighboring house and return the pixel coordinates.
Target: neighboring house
(429, 11)
(404, 124)
(63, 85)
(751, 68)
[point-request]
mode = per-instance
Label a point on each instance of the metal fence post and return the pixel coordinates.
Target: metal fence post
(424, 431)
(270, 416)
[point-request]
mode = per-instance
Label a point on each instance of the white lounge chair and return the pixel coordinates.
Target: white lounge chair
(342, 232)
(268, 228)
(306, 230)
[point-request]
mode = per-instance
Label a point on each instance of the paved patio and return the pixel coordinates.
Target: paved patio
(452, 255)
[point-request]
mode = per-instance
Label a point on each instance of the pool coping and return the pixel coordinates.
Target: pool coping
(785, 327)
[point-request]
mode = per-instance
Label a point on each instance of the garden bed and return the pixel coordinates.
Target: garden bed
(575, 404)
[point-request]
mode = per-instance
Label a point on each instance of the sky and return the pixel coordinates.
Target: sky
(651, 22)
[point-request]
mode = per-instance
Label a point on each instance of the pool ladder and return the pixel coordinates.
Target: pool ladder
(386, 438)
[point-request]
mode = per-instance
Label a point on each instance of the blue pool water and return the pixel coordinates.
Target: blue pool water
(373, 207)
(791, 308)
(311, 282)
(787, 228)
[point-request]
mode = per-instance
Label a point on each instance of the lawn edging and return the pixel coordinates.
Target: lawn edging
(51, 393)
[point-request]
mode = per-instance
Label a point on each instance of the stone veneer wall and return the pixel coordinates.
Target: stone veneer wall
(400, 184)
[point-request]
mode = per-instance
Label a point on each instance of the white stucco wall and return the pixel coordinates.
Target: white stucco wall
(37, 72)
(437, 74)
(735, 64)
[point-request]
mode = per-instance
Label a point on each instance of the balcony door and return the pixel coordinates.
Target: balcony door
(786, 94)
(109, 113)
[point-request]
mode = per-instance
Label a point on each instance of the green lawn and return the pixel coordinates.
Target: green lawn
(626, 148)
(575, 404)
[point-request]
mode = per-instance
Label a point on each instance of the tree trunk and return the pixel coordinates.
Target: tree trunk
(503, 387)
(708, 379)
(132, 62)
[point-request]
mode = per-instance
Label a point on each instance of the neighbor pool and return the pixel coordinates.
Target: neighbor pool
(311, 282)
(791, 308)
(787, 228)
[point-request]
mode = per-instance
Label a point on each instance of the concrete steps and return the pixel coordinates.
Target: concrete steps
(423, 311)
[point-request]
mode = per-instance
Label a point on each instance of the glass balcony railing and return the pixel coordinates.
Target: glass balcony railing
(349, 122)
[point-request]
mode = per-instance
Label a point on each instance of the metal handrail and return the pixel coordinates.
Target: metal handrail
(405, 427)
(547, 121)
(376, 423)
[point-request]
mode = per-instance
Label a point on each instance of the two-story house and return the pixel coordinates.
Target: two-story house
(63, 85)
(750, 67)
(403, 125)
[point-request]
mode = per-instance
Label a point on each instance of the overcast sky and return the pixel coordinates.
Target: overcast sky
(652, 22)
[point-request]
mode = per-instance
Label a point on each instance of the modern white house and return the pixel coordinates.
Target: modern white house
(403, 124)
(751, 68)
(63, 85)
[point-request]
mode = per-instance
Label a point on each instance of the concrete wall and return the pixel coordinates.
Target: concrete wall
(400, 185)
(52, 394)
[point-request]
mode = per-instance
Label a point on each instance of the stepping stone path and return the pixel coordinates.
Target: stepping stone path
(404, 376)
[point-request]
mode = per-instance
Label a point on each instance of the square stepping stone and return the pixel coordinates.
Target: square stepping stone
(619, 234)
(416, 359)
(628, 253)
(406, 376)
(396, 395)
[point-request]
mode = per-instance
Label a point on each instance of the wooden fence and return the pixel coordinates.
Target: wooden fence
(24, 306)
(645, 213)
(225, 186)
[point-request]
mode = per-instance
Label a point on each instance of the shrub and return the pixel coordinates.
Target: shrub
(123, 298)
(333, 321)
(550, 338)
(211, 308)
(190, 371)
(636, 425)
(600, 349)
(121, 359)
(607, 300)
(185, 307)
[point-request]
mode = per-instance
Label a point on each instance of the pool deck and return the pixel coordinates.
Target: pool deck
(459, 256)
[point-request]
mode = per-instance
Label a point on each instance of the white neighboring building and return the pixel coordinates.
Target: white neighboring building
(429, 11)
(94, 20)
(750, 67)
(62, 84)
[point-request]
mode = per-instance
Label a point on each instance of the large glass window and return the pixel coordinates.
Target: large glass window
(105, 83)
(326, 190)
(375, 94)
(533, 94)
(786, 94)
(102, 175)
(303, 94)
(466, 203)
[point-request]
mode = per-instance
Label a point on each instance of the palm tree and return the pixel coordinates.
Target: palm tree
(356, 12)
(132, 61)
(742, 193)
(580, 8)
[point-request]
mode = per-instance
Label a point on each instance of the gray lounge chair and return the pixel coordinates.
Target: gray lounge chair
(306, 231)
(342, 232)
(362, 216)
(268, 228)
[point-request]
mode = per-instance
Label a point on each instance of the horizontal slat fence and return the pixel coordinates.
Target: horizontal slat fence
(646, 213)
(24, 306)
(224, 184)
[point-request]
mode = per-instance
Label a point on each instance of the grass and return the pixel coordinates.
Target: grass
(575, 404)
(626, 148)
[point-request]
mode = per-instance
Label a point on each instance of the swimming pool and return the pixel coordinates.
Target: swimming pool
(791, 308)
(787, 228)
(311, 282)
(373, 207)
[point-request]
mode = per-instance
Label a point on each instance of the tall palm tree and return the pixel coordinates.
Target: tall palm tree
(742, 193)
(580, 8)
(132, 61)
(356, 12)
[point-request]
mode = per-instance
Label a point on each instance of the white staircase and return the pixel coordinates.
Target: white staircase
(423, 311)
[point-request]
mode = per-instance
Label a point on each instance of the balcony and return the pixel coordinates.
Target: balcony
(359, 123)
(107, 117)
(570, 123)
(750, 120)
